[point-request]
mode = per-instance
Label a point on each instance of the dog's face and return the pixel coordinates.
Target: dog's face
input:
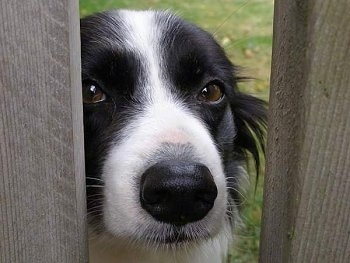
(165, 129)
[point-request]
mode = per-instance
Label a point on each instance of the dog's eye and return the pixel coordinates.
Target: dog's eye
(92, 93)
(211, 93)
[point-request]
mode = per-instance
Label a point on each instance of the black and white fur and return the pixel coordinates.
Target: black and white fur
(151, 66)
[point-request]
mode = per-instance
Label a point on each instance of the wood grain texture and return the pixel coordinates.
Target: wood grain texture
(42, 189)
(306, 215)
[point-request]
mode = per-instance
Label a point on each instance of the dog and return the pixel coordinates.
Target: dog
(166, 139)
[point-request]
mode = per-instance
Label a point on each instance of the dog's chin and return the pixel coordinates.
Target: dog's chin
(177, 236)
(167, 236)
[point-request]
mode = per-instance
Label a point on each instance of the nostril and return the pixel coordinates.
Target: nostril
(153, 196)
(173, 191)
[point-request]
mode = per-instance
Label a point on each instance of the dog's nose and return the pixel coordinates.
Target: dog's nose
(177, 192)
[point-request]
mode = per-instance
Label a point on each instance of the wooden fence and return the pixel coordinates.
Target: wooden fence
(42, 189)
(307, 191)
(306, 215)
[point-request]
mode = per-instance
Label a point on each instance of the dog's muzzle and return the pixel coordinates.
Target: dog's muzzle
(177, 192)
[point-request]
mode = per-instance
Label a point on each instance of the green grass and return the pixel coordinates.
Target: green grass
(244, 29)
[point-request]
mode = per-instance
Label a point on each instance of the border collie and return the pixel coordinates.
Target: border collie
(166, 137)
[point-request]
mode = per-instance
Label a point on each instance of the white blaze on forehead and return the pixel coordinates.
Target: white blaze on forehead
(142, 37)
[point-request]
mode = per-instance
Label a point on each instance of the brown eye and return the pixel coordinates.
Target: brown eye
(211, 93)
(92, 93)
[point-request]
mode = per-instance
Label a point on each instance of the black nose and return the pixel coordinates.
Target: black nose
(177, 192)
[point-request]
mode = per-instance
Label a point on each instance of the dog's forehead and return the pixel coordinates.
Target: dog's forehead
(128, 29)
(143, 30)
(143, 36)
(151, 51)
(140, 31)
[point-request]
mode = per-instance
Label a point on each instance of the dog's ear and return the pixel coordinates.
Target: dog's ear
(250, 115)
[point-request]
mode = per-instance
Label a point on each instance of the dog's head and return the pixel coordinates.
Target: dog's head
(166, 129)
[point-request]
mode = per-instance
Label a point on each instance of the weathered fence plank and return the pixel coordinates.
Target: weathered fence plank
(306, 215)
(42, 192)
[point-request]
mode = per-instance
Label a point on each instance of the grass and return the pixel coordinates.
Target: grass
(244, 29)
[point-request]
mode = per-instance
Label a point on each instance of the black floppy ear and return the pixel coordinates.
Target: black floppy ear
(250, 114)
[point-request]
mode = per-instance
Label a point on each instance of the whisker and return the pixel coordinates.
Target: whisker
(95, 212)
(94, 178)
(236, 190)
(95, 202)
(94, 185)
(93, 195)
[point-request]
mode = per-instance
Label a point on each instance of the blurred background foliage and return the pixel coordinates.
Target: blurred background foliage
(244, 29)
